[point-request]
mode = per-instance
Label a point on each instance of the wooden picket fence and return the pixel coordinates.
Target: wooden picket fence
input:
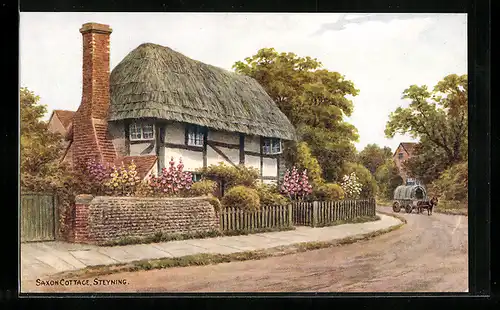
(267, 217)
(316, 213)
(319, 213)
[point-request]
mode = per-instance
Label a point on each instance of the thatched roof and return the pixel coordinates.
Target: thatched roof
(156, 81)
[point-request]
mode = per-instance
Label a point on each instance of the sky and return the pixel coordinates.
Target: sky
(382, 54)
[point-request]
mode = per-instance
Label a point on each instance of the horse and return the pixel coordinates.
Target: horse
(428, 205)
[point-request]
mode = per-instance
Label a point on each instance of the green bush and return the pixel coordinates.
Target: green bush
(328, 191)
(369, 185)
(388, 178)
(452, 184)
(229, 176)
(305, 160)
(203, 188)
(215, 202)
(269, 195)
(241, 197)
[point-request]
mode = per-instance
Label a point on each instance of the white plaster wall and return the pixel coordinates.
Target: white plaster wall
(224, 136)
(252, 143)
(175, 133)
(252, 161)
(213, 158)
(137, 149)
(117, 132)
(270, 167)
(269, 182)
(192, 159)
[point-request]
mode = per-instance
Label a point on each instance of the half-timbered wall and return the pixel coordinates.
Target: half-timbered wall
(170, 141)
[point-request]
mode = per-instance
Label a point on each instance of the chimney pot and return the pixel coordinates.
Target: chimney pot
(95, 27)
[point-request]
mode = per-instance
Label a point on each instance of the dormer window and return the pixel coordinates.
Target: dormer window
(195, 135)
(271, 146)
(141, 132)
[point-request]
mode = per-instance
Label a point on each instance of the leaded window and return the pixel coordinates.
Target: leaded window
(271, 146)
(141, 131)
(195, 135)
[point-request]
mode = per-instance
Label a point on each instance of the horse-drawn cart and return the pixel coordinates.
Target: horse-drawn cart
(408, 196)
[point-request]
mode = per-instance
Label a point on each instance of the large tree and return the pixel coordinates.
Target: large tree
(388, 178)
(373, 156)
(438, 118)
(40, 149)
(313, 98)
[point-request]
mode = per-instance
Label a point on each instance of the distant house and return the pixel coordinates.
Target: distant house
(403, 152)
(157, 104)
(60, 121)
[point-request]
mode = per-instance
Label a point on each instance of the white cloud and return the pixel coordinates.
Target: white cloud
(381, 53)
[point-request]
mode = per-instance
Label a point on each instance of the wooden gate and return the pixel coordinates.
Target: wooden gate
(38, 217)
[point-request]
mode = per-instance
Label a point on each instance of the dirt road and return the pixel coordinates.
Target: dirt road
(429, 254)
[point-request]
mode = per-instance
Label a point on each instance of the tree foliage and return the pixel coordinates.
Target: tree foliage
(306, 161)
(427, 162)
(373, 156)
(452, 184)
(40, 149)
(388, 178)
(313, 98)
(438, 118)
(369, 186)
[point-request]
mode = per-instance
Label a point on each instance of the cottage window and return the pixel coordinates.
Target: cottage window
(141, 131)
(400, 156)
(196, 177)
(195, 136)
(271, 146)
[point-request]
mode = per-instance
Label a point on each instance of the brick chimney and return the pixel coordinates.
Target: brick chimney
(90, 135)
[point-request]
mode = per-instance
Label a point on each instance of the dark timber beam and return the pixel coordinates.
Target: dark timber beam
(242, 149)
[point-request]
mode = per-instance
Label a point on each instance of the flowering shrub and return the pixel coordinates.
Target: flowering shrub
(351, 186)
(296, 185)
(122, 181)
(95, 175)
(170, 182)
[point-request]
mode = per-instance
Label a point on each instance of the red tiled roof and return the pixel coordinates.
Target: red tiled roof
(65, 116)
(144, 163)
(409, 147)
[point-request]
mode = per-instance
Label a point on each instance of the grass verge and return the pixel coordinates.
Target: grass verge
(383, 202)
(361, 219)
(162, 237)
(209, 259)
(452, 211)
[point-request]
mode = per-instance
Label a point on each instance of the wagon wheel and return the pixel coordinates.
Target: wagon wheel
(408, 208)
(396, 207)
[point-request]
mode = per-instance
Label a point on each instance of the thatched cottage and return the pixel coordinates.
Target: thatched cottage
(157, 103)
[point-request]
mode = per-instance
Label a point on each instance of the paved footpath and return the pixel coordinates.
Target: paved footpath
(40, 259)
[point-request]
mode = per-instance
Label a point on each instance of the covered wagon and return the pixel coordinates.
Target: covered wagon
(408, 196)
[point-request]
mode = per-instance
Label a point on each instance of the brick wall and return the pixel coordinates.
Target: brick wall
(102, 219)
(90, 120)
(399, 161)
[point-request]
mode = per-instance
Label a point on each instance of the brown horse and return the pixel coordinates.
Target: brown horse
(428, 205)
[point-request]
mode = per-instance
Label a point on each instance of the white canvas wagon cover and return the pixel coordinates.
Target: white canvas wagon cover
(405, 192)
